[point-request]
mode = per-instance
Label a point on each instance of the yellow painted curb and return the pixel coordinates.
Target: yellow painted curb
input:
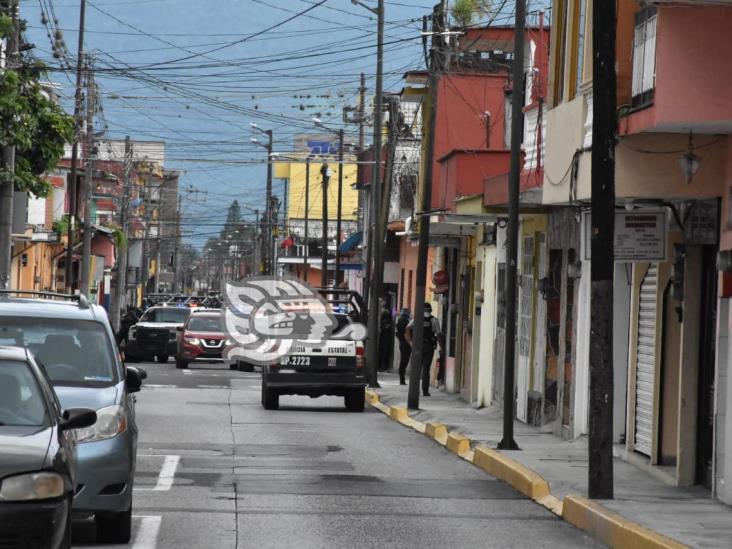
(372, 396)
(435, 430)
(397, 413)
(512, 472)
(457, 443)
(611, 528)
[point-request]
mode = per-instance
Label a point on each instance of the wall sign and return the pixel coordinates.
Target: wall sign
(640, 235)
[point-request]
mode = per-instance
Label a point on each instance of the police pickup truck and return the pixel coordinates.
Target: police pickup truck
(333, 367)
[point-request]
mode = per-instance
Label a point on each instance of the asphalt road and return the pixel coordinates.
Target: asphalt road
(215, 470)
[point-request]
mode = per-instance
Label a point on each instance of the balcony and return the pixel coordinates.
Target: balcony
(677, 81)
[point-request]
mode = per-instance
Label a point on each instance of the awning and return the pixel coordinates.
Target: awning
(351, 242)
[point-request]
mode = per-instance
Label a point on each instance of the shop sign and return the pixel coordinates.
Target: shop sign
(640, 236)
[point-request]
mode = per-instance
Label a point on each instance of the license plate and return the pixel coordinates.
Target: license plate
(295, 361)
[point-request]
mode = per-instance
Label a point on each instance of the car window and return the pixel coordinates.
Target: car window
(21, 399)
(205, 324)
(74, 352)
(166, 314)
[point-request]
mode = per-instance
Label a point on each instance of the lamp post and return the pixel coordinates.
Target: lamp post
(267, 241)
(375, 242)
(339, 133)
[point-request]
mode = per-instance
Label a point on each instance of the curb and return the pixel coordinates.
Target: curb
(590, 516)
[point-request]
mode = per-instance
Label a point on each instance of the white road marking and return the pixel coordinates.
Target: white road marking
(153, 386)
(147, 534)
(166, 475)
(187, 372)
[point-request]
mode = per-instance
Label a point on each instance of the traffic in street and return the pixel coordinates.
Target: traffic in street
(214, 469)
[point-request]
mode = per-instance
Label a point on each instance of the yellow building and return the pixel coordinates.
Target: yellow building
(294, 171)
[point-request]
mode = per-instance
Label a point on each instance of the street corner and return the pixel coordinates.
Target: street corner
(515, 474)
(612, 528)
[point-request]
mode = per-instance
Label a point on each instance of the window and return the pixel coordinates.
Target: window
(205, 324)
(644, 57)
(166, 314)
(23, 404)
(74, 352)
(579, 64)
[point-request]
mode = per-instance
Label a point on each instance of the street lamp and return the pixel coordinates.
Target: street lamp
(319, 123)
(266, 242)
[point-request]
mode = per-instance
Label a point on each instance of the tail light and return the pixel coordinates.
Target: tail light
(360, 362)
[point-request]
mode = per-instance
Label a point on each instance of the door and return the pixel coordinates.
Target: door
(499, 347)
(707, 347)
(645, 374)
(526, 309)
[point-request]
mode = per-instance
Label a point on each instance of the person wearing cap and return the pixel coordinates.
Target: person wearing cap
(405, 349)
(430, 338)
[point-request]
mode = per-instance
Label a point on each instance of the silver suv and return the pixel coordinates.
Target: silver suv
(75, 343)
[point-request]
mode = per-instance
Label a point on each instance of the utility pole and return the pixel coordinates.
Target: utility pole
(270, 238)
(325, 173)
(604, 125)
(376, 271)
(88, 180)
(435, 67)
(75, 151)
(517, 126)
(178, 242)
(306, 252)
(337, 277)
(7, 186)
(119, 301)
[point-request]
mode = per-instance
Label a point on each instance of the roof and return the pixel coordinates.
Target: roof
(48, 308)
(12, 353)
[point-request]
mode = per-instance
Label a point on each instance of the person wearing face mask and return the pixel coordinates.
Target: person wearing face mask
(430, 338)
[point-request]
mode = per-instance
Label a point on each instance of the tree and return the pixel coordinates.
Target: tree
(29, 120)
(463, 11)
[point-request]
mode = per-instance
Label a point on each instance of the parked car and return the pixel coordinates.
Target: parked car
(74, 342)
(202, 337)
(336, 367)
(37, 464)
(156, 334)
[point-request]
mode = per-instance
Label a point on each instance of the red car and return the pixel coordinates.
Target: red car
(202, 337)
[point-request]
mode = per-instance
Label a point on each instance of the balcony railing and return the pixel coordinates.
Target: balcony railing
(644, 57)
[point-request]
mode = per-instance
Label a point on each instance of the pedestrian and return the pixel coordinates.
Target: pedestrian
(405, 349)
(430, 338)
(129, 319)
(386, 339)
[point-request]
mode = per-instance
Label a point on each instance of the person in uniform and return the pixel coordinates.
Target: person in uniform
(429, 343)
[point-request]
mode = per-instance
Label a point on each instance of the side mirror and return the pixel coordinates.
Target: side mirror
(133, 379)
(143, 372)
(77, 418)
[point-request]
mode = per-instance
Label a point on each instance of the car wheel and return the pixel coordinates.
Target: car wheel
(181, 364)
(114, 527)
(162, 359)
(233, 366)
(245, 366)
(270, 398)
(355, 400)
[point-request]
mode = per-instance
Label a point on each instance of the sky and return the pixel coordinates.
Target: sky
(196, 73)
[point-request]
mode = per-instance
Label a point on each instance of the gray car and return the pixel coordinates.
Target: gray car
(75, 343)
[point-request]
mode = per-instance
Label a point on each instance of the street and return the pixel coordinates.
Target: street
(216, 470)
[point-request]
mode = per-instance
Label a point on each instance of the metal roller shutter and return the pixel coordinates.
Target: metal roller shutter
(646, 361)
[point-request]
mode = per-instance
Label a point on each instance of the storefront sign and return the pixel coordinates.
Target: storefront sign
(640, 235)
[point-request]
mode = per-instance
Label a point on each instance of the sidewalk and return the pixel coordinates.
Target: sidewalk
(687, 515)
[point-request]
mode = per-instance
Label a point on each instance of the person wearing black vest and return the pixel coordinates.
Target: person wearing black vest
(429, 344)
(405, 349)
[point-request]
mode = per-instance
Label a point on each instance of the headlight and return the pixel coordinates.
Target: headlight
(31, 486)
(192, 340)
(111, 421)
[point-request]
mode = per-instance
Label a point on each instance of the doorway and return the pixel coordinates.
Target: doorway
(707, 351)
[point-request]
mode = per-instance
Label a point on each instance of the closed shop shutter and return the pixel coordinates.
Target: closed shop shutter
(646, 361)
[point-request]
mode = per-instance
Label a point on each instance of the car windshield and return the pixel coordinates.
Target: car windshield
(166, 314)
(21, 399)
(74, 352)
(205, 324)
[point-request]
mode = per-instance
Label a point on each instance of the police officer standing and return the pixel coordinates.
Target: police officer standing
(429, 344)
(405, 349)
